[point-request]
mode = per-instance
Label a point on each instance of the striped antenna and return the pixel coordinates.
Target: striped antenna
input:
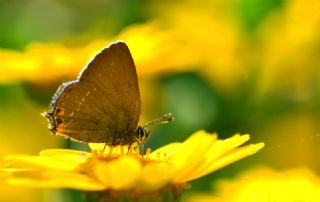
(159, 121)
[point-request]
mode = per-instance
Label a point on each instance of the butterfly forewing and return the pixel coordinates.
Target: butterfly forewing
(103, 104)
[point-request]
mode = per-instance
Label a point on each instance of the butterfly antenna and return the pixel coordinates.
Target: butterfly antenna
(159, 121)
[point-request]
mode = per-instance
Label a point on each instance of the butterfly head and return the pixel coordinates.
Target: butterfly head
(142, 134)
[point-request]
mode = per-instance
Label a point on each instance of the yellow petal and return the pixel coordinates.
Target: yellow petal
(40, 162)
(190, 156)
(121, 173)
(154, 176)
(167, 150)
(55, 180)
(216, 151)
(66, 155)
(231, 157)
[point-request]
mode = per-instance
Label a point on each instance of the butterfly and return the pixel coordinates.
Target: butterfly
(103, 104)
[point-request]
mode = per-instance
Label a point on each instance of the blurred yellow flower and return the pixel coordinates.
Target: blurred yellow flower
(41, 62)
(174, 43)
(116, 169)
(155, 46)
(265, 185)
(218, 45)
(290, 49)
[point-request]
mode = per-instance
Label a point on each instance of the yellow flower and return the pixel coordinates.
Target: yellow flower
(33, 64)
(264, 185)
(117, 169)
(290, 48)
(219, 47)
(155, 47)
(146, 43)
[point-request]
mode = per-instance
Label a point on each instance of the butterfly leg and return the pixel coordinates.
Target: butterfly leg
(104, 148)
(141, 148)
(129, 147)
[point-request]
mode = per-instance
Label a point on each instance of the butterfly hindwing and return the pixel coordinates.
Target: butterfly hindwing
(103, 104)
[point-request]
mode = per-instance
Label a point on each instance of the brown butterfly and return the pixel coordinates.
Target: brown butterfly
(103, 104)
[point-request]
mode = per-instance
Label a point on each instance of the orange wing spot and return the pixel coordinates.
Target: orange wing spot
(60, 130)
(61, 111)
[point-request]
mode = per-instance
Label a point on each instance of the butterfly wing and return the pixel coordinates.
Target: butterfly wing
(103, 104)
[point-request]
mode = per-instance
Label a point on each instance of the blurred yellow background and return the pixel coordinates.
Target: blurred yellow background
(248, 66)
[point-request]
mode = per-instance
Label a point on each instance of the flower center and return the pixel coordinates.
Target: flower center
(110, 154)
(113, 153)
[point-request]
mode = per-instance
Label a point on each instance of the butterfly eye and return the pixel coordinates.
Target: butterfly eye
(142, 133)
